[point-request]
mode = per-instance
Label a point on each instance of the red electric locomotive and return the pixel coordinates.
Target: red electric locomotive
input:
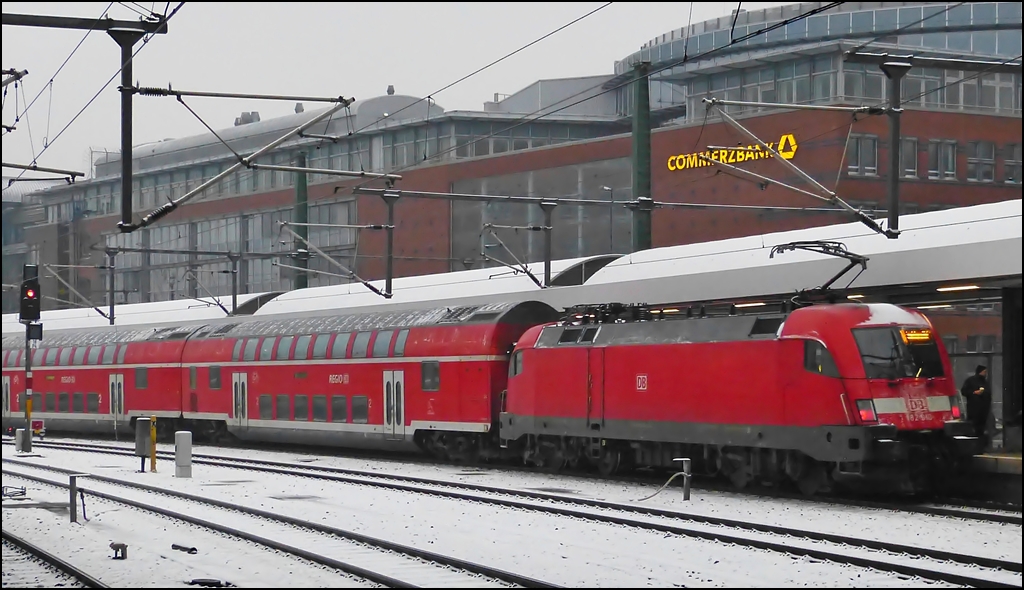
(855, 392)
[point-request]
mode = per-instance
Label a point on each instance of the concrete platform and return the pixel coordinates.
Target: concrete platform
(1001, 463)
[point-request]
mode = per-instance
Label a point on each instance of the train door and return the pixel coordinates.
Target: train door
(7, 396)
(394, 404)
(117, 409)
(595, 390)
(240, 396)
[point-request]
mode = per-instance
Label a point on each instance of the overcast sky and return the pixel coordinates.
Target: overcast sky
(315, 49)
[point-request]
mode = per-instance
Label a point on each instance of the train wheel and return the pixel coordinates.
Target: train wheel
(609, 461)
(811, 479)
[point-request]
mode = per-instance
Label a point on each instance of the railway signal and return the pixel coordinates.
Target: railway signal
(30, 294)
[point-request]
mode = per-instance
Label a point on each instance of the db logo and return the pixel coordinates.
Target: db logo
(641, 382)
(917, 404)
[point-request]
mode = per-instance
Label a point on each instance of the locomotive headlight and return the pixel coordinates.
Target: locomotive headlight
(954, 406)
(866, 409)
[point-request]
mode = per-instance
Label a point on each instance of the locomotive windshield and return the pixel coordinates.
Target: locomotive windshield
(894, 353)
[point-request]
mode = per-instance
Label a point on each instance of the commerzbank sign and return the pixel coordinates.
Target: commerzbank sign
(786, 147)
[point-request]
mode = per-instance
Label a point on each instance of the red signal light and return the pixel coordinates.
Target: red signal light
(30, 293)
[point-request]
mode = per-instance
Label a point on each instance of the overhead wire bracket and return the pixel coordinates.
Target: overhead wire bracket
(348, 273)
(519, 265)
(824, 193)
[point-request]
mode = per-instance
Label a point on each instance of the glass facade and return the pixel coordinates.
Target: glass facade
(932, 26)
(979, 30)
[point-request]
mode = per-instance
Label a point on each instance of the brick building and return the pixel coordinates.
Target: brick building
(566, 138)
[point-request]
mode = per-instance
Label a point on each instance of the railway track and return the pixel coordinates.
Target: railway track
(943, 566)
(376, 560)
(987, 512)
(29, 566)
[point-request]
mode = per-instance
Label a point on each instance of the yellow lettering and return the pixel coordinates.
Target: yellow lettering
(785, 147)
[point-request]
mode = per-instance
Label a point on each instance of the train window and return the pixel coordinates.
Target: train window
(236, 354)
(817, 359)
(79, 357)
(284, 347)
(266, 349)
(302, 348)
(109, 352)
(141, 378)
(62, 401)
(516, 366)
(249, 353)
(193, 377)
(320, 408)
(266, 407)
(382, 344)
(51, 356)
(94, 355)
(65, 357)
(320, 346)
(589, 334)
(6, 357)
(51, 402)
(215, 377)
(76, 402)
(37, 400)
(570, 335)
(360, 345)
(37, 357)
(120, 353)
(400, 343)
(92, 403)
(284, 407)
(360, 409)
(430, 375)
(301, 407)
(340, 346)
(339, 408)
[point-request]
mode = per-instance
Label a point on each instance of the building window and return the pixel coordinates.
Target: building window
(1013, 172)
(908, 157)
(952, 344)
(981, 343)
(862, 157)
(942, 159)
(981, 161)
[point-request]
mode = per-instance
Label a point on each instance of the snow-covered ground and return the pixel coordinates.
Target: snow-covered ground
(565, 551)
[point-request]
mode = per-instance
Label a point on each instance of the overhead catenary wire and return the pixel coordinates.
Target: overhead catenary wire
(481, 69)
(145, 41)
(547, 110)
(28, 106)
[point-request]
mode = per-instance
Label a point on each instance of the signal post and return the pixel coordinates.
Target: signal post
(29, 315)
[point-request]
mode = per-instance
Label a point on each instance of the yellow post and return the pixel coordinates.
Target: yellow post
(152, 444)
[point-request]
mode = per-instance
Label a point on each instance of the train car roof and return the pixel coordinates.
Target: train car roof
(157, 312)
(517, 312)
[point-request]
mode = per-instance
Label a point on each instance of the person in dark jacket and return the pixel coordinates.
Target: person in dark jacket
(978, 396)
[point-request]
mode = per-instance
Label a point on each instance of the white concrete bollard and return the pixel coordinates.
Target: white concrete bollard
(19, 440)
(182, 453)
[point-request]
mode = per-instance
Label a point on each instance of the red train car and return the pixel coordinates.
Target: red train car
(850, 392)
(379, 380)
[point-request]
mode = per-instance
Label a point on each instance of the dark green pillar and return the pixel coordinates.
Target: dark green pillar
(301, 216)
(643, 203)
